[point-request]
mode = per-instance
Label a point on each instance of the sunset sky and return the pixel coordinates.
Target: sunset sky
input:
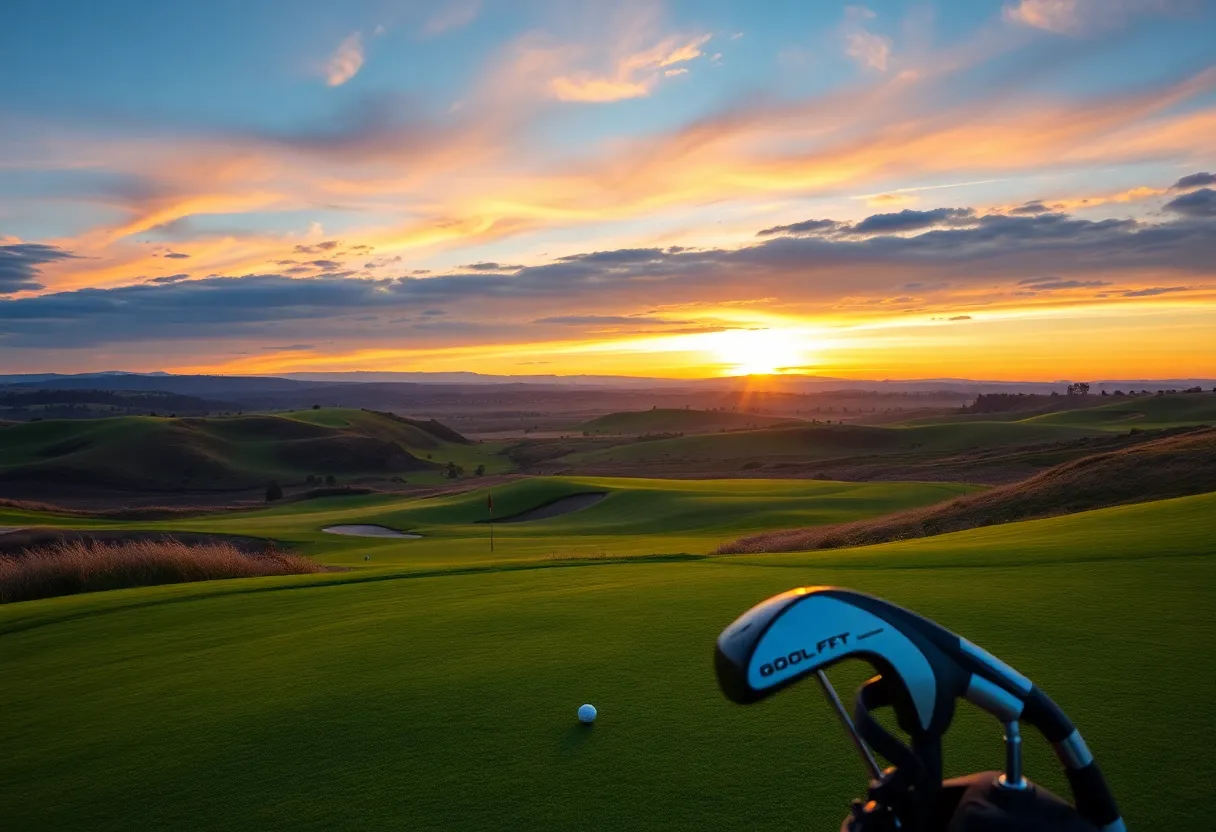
(1022, 189)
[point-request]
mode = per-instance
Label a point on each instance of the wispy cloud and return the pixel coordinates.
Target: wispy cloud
(454, 15)
(633, 76)
(1078, 17)
(862, 45)
(346, 61)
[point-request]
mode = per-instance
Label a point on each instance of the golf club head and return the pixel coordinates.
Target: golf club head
(792, 635)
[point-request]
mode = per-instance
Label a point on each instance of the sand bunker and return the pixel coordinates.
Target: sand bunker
(562, 505)
(369, 531)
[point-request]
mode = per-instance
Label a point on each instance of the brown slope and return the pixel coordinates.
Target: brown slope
(1172, 467)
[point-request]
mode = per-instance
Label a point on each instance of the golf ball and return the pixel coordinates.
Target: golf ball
(586, 714)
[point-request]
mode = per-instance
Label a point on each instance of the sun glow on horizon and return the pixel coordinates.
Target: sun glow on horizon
(755, 352)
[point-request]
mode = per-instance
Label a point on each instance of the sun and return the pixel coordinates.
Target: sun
(759, 351)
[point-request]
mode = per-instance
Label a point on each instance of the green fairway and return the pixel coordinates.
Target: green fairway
(639, 516)
(422, 699)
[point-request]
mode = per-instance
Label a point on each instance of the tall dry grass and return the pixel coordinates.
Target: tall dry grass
(67, 568)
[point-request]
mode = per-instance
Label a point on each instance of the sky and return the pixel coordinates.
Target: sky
(1005, 190)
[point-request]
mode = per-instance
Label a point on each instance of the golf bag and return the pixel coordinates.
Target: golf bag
(923, 670)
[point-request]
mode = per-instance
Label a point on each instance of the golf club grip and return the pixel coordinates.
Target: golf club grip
(1090, 792)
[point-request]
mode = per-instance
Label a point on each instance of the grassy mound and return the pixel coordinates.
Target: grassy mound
(436, 699)
(82, 565)
(1170, 467)
(673, 420)
(220, 453)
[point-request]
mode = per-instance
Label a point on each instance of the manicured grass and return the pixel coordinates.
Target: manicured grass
(639, 516)
(389, 699)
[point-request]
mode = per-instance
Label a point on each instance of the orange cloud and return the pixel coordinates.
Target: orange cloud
(634, 76)
(346, 61)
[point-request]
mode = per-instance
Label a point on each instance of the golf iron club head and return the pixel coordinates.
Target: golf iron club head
(924, 667)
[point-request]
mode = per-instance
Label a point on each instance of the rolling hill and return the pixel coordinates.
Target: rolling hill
(1171, 467)
(678, 420)
(219, 453)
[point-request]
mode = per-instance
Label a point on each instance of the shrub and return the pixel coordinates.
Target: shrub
(274, 491)
(67, 568)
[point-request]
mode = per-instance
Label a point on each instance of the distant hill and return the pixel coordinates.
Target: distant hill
(23, 404)
(218, 453)
(678, 420)
(1175, 466)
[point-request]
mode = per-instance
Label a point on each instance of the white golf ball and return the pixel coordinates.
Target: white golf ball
(586, 714)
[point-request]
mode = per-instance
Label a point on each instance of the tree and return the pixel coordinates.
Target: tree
(274, 491)
(311, 479)
(454, 471)
(316, 407)
(480, 470)
(330, 479)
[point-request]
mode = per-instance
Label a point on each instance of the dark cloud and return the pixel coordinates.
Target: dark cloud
(1201, 203)
(804, 227)
(622, 256)
(1035, 207)
(434, 313)
(176, 255)
(909, 220)
(994, 250)
(1195, 180)
(327, 245)
(20, 262)
(170, 278)
(292, 347)
(960, 318)
(490, 267)
(1046, 284)
(1156, 290)
(325, 264)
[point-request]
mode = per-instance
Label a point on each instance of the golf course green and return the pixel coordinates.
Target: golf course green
(438, 692)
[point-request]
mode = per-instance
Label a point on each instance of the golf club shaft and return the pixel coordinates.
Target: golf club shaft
(866, 756)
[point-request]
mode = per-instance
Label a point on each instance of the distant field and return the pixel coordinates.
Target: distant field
(434, 697)
(810, 442)
(1108, 413)
(672, 420)
(1145, 412)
